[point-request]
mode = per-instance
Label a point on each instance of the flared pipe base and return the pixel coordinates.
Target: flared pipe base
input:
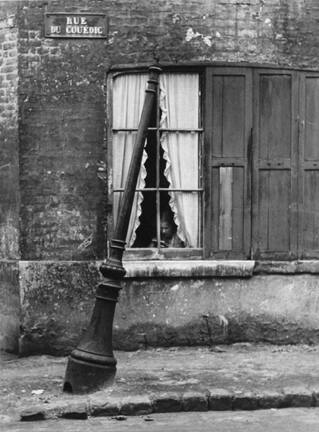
(86, 377)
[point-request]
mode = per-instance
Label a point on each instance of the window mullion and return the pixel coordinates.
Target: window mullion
(158, 204)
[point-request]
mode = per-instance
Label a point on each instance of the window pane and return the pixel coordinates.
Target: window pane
(128, 99)
(169, 237)
(146, 231)
(172, 222)
(122, 149)
(150, 164)
(180, 100)
(134, 222)
(182, 159)
(187, 215)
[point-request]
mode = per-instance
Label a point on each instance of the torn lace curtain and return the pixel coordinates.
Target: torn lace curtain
(179, 105)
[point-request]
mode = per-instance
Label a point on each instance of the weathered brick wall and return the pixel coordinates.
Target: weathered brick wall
(9, 178)
(62, 110)
(9, 158)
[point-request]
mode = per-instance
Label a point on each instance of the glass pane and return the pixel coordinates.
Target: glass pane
(128, 99)
(150, 164)
(180, 151)
(146, 230)
(180, 100)
(122, 149)
(180, 219)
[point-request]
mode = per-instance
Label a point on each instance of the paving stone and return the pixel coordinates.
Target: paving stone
(104, 406)
(297, 397)
(75, 415)
(167, 402)
(220, 400)
(195, 401)
(315, 396)
(245, 401)
(32, 414)
(269, 399)
(66, 409)
(75, 410)
(136, 405)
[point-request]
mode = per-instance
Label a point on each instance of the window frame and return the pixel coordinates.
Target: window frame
(157, 252)
(297, 118)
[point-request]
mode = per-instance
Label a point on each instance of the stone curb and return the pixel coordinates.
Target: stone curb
(215, 399)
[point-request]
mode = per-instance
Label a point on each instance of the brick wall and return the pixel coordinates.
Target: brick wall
(62, 110)
(62, 95)
(9, 178)
(9, 181)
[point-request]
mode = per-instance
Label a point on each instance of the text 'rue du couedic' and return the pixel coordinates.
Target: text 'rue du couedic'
(77, 25)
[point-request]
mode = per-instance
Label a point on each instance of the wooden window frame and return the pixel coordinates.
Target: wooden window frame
(253, 165)
(151, 253)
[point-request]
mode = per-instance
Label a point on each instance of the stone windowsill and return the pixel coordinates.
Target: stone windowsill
(217, 268)
(287, 267)
(188, 269)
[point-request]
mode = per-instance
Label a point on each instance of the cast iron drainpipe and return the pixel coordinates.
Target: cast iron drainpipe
(92, 366)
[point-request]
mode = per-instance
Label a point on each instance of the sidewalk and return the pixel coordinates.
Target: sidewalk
(240, 376)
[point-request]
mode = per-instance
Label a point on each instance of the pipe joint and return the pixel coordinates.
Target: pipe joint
(108, 290)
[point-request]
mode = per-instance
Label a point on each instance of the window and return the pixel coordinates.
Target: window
(231, 163)
(166, 214)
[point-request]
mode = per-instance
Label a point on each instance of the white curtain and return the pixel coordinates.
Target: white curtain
(179, 103)
(128, 99)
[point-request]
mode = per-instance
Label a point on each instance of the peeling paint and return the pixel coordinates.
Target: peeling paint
(191, 35)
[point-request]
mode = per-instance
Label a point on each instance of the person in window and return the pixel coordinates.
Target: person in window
(169, 237)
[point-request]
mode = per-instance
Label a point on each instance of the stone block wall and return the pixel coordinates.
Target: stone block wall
(158, 310)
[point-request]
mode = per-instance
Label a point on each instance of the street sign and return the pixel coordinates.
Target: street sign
(68, 25)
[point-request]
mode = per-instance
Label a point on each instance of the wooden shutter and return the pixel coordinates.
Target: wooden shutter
(275, 165)
(227, 139)
(309, 166)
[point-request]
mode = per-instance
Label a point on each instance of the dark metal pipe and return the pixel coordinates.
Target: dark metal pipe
(92, 366)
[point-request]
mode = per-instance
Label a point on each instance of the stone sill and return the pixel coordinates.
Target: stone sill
(188, 269)
(287, 267)
(217, 268)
